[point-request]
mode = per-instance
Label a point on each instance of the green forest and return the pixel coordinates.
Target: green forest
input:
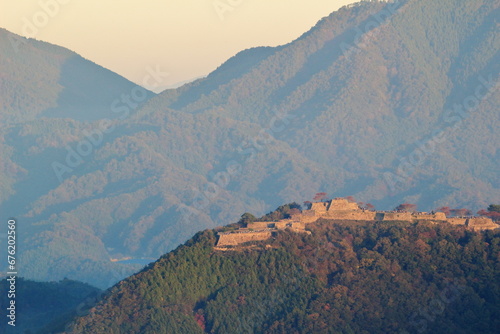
(41, 304)
(379, 100)
(346, 277)
(270, 126)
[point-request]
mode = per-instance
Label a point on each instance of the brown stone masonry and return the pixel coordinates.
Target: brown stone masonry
(342, 209)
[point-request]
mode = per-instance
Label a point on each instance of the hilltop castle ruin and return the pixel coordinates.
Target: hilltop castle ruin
(341, 209)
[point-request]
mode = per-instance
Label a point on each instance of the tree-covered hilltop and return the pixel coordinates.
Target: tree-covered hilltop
(378, 100)
(346, 277)
(42, 306)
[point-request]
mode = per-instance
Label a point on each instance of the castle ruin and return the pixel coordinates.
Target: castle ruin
(341, 209)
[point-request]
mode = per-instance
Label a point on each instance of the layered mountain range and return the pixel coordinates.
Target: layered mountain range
(388, 101)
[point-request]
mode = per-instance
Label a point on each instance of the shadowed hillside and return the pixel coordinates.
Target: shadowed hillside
(39, 304)
(40, 79)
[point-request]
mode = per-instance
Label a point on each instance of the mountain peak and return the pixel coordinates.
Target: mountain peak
(40, 79)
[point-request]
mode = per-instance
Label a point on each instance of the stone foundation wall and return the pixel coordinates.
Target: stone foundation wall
(234, 239)
(406, 216)
(260, 225)
(296, 225)
(307, 216)
(481, 223)
(341, 204)
(282, 224)
(436, 216)
(351, 215)
(341, 209)
(319, 207)
(457, 221)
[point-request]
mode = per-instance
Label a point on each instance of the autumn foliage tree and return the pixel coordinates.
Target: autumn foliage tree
(320, 196)
(460, 212)
(351, 199)
(366, 206)
(200, 320)
(369, 206)
(454, 212)
(445, 209)
(492, 212)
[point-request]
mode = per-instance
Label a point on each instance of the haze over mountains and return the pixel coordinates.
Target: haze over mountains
(363, 104)
(43, 80)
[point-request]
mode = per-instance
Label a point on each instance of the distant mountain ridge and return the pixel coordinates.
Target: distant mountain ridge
(39, 79)
(363, 104)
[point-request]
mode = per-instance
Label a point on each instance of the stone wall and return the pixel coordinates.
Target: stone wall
(428, 216)
(260, 225)
(319, 207)
(234, 239)
(294, 225)
(405, 216)
(341, 209)
(351, 215)
(481, 223)
(341, 204)
(457, 221)
(282, 224)
(307, 216)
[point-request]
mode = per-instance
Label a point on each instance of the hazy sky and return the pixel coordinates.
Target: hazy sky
(186, 38)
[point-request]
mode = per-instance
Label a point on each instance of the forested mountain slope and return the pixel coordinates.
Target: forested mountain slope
(40, 304)
(363, 104)
(372, 93)
(391, 277)
(41, 79)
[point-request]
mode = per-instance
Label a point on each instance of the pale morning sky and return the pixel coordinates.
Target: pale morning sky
(186, 38)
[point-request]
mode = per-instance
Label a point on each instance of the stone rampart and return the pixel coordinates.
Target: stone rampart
(319, 207)
(405, 216)
(428, 216)
(341, 209)
(457, 221)
(260, 225)
(282, 224)
(307, 216)
(294, 225)
(481, 223)
(234, 239)
(351, 215)
(341, 204)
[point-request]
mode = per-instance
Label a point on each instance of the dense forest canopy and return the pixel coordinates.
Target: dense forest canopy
(351, 277)
(41, 304)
